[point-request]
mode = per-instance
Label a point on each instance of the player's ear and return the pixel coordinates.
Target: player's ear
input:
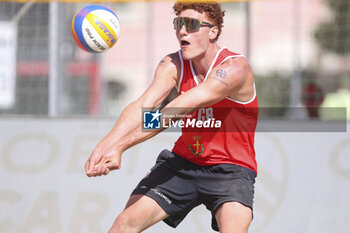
(213, 32)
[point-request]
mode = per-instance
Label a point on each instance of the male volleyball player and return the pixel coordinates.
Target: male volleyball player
(217, 169)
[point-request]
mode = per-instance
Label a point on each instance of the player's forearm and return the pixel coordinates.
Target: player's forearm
(136, 138)
(138, 135)
(127, 131)
(128, 122)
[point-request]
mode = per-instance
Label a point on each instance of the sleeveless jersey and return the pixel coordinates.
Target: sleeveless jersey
(234, 142)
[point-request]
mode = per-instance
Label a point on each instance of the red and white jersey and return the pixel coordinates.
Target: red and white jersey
(234, 143)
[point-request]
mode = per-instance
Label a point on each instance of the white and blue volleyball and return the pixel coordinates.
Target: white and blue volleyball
(95, 28)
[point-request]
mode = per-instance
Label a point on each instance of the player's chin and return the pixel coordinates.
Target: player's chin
(186, 55)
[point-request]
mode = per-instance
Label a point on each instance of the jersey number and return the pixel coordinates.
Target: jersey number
(205, 114)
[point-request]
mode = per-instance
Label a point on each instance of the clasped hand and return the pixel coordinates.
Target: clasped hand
(102, 160)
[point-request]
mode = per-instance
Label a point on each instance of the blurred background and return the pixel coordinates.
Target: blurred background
(298, 49)
(57, 101)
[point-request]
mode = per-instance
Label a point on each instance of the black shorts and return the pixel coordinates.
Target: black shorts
(179, 185)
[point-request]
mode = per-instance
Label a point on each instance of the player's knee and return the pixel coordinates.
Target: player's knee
(124, 223)
(237, 227)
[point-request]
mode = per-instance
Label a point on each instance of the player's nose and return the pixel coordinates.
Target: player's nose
(183, 30)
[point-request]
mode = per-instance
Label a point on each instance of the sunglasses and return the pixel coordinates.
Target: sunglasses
(191, 24)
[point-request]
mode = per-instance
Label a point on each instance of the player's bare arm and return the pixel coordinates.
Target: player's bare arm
(227, 80)
(108, 152)
(231, 79)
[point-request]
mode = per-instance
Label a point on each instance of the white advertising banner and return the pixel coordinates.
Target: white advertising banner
(8, 45)
(303, 182)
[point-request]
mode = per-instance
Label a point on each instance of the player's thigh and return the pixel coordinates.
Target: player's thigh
(142, 211)
(233, 217)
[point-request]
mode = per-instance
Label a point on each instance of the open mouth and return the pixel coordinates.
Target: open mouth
(184, 43)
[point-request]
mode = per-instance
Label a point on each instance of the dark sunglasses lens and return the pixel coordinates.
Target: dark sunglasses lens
(176, 24)
(191, 25)
(194, 25)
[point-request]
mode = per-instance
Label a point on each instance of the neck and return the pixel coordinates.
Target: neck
(202, 63)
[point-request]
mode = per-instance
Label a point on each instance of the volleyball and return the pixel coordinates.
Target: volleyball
(95, 28)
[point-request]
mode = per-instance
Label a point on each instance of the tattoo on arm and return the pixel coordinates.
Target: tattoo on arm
(221, 73)
(220, 76)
